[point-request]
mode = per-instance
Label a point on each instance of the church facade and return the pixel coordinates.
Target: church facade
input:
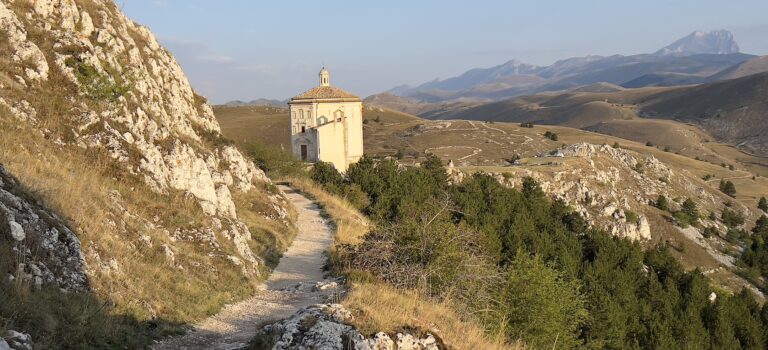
(327, 125)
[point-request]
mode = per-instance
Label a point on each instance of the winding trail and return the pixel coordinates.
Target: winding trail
(288, 288)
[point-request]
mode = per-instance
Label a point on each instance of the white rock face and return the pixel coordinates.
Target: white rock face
(158, 129)
(17, 232)
(325, 327)
(24, 51)
(17, 341)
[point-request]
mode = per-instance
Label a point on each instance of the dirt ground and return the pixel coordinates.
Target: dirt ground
(289, 288)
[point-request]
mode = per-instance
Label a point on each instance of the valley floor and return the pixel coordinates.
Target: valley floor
(301, 265)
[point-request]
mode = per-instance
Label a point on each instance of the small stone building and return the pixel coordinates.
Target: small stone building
(327, 125)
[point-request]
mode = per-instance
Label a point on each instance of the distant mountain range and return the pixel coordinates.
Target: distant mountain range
(258, 102)
(697, 58)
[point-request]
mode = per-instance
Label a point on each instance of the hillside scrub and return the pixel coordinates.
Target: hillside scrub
(755, 256)
(728, 188)
(380, 307)
(762, 204)
(499, 254)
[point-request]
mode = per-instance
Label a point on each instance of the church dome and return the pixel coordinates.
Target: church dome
(325, 92)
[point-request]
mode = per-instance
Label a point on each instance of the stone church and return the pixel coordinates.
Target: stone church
(327, 125)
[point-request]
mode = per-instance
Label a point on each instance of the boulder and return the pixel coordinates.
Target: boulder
(326, 326)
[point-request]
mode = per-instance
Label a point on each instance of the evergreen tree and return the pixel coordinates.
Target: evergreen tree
(537, 265)
(541, 306)
(690, 209)
(662, 203)
(763, 204)
(728, 188)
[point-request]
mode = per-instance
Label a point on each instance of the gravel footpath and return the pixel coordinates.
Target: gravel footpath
(289, 288)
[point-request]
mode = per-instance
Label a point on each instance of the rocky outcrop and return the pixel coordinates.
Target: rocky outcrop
(155, 125)
(126, 95)
(325, 326)
(45, 248)
(14, 340)
(610, 187)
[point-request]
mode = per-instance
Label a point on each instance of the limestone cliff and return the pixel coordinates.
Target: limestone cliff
(150, 184)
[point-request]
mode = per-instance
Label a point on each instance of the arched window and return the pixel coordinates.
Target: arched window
(322, 120)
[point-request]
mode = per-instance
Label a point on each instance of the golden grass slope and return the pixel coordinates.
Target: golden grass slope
(126, 229)
(246, 124)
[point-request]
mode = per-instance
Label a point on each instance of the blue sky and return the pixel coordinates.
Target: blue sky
(245, 49)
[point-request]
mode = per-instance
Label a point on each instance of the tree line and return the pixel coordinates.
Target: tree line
(531, 268)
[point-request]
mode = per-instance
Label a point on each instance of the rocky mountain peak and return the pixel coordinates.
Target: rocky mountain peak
(715, 42)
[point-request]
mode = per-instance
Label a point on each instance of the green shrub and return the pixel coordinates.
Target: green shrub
(731, 218)
(108, 86)
(690, 208)
(682, 219)
(762, 204)
(662, 203)
(710, 231)
(728, 188)
(550, 135)
(541, 305)
(632, 217)
(275, 162)
(639, 167)
(326, 174)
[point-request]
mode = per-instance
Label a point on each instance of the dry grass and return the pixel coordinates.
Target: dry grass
(146, 284)
(248, 124)
(382, 308)
(350, 225)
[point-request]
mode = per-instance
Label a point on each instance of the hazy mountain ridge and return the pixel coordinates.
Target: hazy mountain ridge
(696, 58)
(264, 102)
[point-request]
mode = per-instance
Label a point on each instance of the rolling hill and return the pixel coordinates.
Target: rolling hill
(735, 111)
(511, 152)
(732, 111)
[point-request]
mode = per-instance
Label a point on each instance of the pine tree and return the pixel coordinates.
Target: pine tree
(690, 209)
(763, 204)
(662, 203)
(728, 188)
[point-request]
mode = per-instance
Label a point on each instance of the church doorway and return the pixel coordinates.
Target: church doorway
(304, 152)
